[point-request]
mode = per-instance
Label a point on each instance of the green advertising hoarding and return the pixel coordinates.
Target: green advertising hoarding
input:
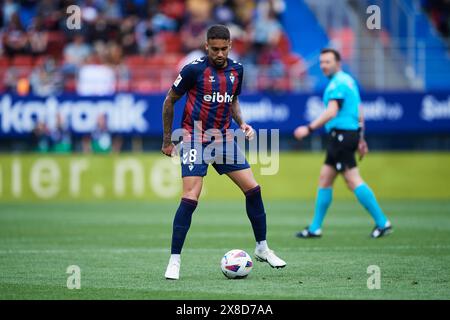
(33, 177)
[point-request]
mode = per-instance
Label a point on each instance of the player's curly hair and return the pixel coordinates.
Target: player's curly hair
(218, 31)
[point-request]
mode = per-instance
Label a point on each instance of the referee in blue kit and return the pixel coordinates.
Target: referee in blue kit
(344, 123)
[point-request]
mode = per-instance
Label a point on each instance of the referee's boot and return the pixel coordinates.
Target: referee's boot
(378, 232)
(306, 233)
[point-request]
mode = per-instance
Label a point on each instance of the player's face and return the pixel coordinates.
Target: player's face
(218, 50)
(328, 64)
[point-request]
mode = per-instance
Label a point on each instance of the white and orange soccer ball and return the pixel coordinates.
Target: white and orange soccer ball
(236, 264)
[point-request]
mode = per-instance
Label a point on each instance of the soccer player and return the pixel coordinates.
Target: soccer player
(344, 122)
(212, 84)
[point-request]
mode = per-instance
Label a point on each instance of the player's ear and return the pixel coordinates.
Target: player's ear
(230, 45)
(206, 46)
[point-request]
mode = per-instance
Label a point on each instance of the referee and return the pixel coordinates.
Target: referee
(344, 124)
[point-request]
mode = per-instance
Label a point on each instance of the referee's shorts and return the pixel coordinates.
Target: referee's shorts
(341, 148)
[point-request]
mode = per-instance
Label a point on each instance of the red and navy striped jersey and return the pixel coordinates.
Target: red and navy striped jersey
(210, 92)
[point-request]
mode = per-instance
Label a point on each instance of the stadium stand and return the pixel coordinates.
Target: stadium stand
(156, 35)
(149, 38)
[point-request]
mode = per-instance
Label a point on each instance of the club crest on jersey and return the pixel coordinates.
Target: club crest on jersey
(211, 79)
(232, 78)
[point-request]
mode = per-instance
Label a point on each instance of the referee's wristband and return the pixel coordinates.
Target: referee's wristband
(310, 129)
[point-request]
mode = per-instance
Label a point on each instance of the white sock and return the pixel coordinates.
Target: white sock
(175, 258)
(262, 245)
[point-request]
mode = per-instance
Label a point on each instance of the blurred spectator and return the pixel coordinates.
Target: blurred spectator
(136, 7)
(111, 10)
(38, 37)
(27, 12)
(60, 137)
(41, 137)
(15, 40)
(96, 79)
(48, 11)
(267, 30)
(75, 53)
(99, 30)
(275, 7)
(89, 11)
(101, 140)
(46, 79)
(127, 35)
(16, 82)
(198, 20)
(10, 80)
(9, 8)
(222, 13)
(145, 37)
(439, 11)
(113, 32)
(243, 10)
(162, 22)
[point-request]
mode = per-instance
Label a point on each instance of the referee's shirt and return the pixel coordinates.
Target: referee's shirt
(345, 91)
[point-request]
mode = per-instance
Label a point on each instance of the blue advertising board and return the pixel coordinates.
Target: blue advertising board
(132, 114)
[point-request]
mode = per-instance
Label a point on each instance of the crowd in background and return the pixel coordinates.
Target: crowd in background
(139, 46)
(134, 45)
(439, 13)
(128, 46)
(60, 140)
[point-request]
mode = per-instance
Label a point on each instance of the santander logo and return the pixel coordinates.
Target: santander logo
(218, 97)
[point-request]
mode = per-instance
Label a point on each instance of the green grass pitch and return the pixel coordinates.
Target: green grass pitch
(122, 249)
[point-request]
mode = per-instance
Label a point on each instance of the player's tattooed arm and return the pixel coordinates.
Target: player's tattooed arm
(167, 116)
(236, 114)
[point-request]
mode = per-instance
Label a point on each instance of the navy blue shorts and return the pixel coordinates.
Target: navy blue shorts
(223, 156)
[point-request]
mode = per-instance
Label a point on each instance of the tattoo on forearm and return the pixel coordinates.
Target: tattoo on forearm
(236, 113)
(167, 116)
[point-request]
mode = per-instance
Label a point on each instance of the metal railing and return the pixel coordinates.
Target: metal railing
(386, 59)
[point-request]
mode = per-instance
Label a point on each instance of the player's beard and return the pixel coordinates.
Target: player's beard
(220, 64)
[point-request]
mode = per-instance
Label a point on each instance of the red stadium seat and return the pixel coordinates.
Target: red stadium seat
(168, 60)
(284, 44)
(171, 42)
(135, 60)
(173, 8)
(22, 61)
(240, 47)
(154, 61)
(56, 43)
(345, 38)
(4, 62)
(24, 71)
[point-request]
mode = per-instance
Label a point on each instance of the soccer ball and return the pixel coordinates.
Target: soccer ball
(236, 264)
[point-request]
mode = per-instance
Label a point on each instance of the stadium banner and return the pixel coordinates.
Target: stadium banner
(154, 177)
(132, 114)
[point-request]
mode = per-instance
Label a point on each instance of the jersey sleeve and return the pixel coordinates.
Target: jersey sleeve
(185, 80)
(240, 79)
(337, 91)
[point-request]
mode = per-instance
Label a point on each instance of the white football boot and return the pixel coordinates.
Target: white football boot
(173, 270)
(269, 256)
